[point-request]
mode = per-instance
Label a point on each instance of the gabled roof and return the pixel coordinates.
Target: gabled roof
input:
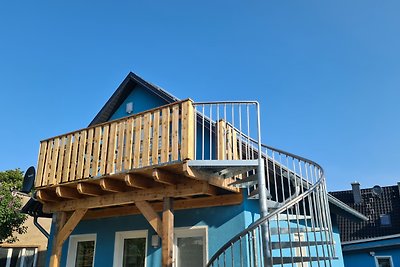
(122, 92)
(372, 206)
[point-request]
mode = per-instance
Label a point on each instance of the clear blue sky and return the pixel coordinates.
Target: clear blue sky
(327, 73)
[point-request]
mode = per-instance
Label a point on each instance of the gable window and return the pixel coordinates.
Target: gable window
(385, 220)
(383, 261)
(18, 257)
(81, 250)
(130, 249)
(190, 246)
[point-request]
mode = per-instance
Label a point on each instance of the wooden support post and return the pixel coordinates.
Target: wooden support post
(56, 250)
(63, 229)
(167, 233)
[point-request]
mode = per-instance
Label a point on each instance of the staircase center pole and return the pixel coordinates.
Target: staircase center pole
(262, 193)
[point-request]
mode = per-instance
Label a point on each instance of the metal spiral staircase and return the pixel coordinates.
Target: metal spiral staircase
(294, 228)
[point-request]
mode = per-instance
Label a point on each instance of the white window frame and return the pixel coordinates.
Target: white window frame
(119, 244)
(383, 257)
(9, 255)
(72, 246)
(194, 231)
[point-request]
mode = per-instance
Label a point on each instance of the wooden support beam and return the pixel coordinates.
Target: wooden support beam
(138, 181)
(55, 257)
(151, 215)
(194, 203)
(70, 226)
(163, 177)
(89, 189)
(124, 198)
(167, 233)
(111, 185)
(67, 192)
(46, 196)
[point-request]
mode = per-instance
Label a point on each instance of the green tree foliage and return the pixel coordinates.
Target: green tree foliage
(11, 221)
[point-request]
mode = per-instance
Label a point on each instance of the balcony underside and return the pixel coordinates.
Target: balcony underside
(118, 192)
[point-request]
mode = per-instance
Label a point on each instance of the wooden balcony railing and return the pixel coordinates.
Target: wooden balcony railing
(154, 137)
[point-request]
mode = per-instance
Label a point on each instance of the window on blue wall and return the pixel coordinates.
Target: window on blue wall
(386, 220)
(130, 249)
(81, 250)
(383, 261)
(190, 247)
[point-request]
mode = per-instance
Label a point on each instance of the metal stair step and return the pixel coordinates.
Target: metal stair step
(246, 182)
(285, 260)
(296, 244)
(223, 168)
(285, 230)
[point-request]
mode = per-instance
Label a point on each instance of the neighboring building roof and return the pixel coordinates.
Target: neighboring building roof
(373, 206)
(122, 92)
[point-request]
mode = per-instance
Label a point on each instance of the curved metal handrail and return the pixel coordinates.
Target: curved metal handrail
(314, 187)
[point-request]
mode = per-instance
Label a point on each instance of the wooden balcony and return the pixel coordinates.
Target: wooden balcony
(142, 157)
(155, 137)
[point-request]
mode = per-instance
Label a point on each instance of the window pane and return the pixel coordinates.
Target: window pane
(134, 252)
(29, 257)
(16, 252)
(84, 254)
(3, 256)
(190, 251)
(384, 262)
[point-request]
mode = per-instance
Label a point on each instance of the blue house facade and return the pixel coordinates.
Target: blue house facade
(156, 181)
(375, 242)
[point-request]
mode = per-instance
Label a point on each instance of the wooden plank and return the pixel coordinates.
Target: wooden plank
(96, 151)
(111, 149)
(175, 135)
(89, 149)
(104, 149)
(69, 226)
(221, 125)
(165, 135)
(67, 192)
(146, 140)
(188, 134)
(41, 163)
(156, 136)
(120, 147)
(89, 189)
(129, 144)
(228, 141)
(152, 217)
(56, 249)
(111, 185)
(60, 162)
(74, 156)
(47, 163)
(138, 181)
(181, 204)
(235, 151)
(124, 198)
(67, 159)
(54, 158)
(138, 138)
(167, 233)
(81, 155)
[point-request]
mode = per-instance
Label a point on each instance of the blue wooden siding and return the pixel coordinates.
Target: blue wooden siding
(142, 100)
(223, 223)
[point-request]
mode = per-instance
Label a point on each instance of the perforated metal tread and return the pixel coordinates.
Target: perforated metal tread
(223, 168)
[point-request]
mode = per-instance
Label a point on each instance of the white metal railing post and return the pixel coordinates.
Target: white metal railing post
(262, 192)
